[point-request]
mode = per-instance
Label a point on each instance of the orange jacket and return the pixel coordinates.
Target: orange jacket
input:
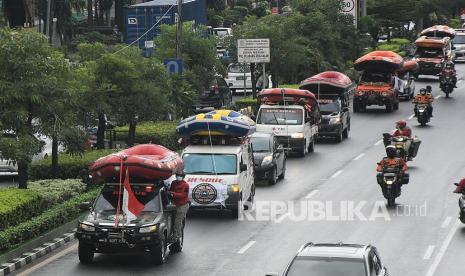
(391, 163)
(423, 99)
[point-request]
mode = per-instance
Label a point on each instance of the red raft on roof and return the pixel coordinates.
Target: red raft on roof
(379, 61)
(329, 82)
(409, 65)
(148, 161)
(439, 31)
(432, 42)
(274, 96)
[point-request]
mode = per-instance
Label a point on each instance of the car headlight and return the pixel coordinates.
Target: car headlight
(235, 188)
(336, 120)
(267, 160)
(298, 135)
(384, 94)
(437, 65)
(87, 226)
(360, 93)
(148, 229)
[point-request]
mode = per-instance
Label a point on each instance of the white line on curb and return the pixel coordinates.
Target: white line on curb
(443, 249)
(446, 222)
(336, 174)
(246, 247)
(411, 116)
(311, 194)
(379, 142)
(438, 96)
(359, 156)
(429, 252)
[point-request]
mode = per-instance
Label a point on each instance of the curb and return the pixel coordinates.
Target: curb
(36, 253)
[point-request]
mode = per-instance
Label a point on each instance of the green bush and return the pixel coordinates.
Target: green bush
(246, 103)
(161, 133)
(54, 191)
(18, 205)
(48, 220)
(70, 166)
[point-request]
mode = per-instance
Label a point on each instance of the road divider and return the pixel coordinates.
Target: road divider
(438, 96)
(411, 116)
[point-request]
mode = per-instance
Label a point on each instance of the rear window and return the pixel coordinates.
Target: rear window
(238, 68)
(325, 266)
(459, 39)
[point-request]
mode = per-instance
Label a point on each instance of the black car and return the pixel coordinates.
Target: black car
(218, 95)
(335, 121)
(149, 232)
(269, 157)
(335, 259)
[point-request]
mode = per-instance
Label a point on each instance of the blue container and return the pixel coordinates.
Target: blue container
(140, 18)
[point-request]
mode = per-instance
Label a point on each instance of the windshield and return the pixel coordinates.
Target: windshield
(209, 164)
(107, 201)
(430, 52)
(260, 144)
(329, 108)
(238, 68)
(319, 266)
(280, 116)
(459, 39)
(221, 32)
(376, 77)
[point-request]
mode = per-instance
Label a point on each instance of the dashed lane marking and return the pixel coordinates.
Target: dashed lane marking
(429, 252)
(443, 249)
(246, 247)
(438, 96)
(446, 222)
(379, 142)
(411, 116)
(336, 174)
(359, 156)
(311, 194)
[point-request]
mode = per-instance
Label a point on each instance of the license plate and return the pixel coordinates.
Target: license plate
(114, 240)
(240, 78)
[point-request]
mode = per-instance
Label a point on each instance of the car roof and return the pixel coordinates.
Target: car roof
(335, 250)
(217, 149)
(261, 134)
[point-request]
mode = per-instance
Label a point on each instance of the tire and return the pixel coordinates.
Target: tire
(447, 94)
(158, 252)
(391, 201)
(462, 216)
(251, 197)
(274, 178)
(356, 108)
(302, 150)
(340, 137)
(311, 146)
(396, 106)
(389, 107)
(345, 133)
(235, 213)
(86, 253)
(283, 173)
(177, 246)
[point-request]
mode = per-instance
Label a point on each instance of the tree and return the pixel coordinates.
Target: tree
(30, 70)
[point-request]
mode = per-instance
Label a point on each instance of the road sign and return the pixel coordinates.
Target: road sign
(149, 44)
(253, 50)
(173, 66)
(132, 21)
(350, 8)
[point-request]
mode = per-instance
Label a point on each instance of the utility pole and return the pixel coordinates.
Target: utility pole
(363, 7)
(47, 22)
(179, 30)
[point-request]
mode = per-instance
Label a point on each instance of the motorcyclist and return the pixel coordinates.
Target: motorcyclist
(179, 190)
(429, 90)
(448, 69)
(392, 161)
(424, 98)
(460, 186)
(402, 129)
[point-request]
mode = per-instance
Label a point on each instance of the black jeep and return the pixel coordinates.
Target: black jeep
(149, 232)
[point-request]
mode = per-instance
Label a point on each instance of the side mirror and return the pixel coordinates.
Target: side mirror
(253, 117)
(272, 274)
(243, 167)
(453, 48)
(230, 84)
(85, 206)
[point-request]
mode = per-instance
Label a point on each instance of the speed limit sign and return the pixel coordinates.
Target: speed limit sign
(350, 7)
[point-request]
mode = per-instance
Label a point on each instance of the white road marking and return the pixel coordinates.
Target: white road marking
(359, 156)
(443, 249)
(446, 222)
(438, 96)
(281, 218)
(68, 250)
(429, 252)
(459, 81)
(246, 247)
(311, 194)
(411, 116)
(379, 142)
(336, 174)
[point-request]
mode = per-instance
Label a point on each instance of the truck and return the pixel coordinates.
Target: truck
(292, 115)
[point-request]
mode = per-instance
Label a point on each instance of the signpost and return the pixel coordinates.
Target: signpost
(350, 8)
(174, 66)
(253, 51)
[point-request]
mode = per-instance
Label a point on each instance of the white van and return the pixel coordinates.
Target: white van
(235, 78)
(293, 126)
(219, 176)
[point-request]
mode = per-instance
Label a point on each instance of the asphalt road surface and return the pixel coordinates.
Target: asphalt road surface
(419, 236)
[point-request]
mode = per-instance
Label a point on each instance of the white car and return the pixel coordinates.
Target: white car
(235, 77)
(459, 44)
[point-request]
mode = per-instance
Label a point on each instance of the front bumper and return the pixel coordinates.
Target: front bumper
(460, 55)
(329, 130)
(429, 69)
(372, 99)
(232, 202)
(264, 172)
(292, 144)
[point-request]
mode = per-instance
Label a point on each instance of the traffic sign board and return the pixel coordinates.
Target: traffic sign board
(174, 66)
(253, 50)
(350, 7)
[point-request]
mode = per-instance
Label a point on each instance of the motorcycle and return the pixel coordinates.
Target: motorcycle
(399, 143)
(461, 203)
(391, 181)
(422, 113)
(446, 83)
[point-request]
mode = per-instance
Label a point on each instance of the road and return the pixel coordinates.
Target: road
(420, 236)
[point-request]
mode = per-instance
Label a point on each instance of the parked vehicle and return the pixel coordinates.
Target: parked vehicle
(217, 96)
(97, 233)
(333, 90)
(268, 156)
(430, 54)
(391, 181)
(236, 73)
(378, 84)
(459, 44)
(292, 115)
(331, 259)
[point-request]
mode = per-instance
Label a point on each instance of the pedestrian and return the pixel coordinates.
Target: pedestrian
(179, 190)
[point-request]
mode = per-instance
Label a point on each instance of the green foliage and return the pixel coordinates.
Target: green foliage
(261, 9)
(246, 103)
(54, 191)
(161, 133)
(455, 23)
(398, 45)
(90, 51)
(18, 205)
(70, 166)
(93, 37)
(48, 220)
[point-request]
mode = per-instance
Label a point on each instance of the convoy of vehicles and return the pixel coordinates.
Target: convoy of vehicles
(269, 157)
(431, 53)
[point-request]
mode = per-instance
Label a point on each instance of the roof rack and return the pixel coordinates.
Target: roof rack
(216, 140)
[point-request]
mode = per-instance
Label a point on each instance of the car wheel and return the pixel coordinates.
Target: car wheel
(251, 197)
(283, 173)
(158, 252)
(345, 133)
(340, 136)
(311, 146)
(389, 107)
(86, 253)
(274, 177)
(177, 246)
(396, 106)
(356, 108)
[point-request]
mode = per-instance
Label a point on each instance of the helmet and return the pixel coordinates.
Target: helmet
(428, 88)
(401, 123)
(422, 91)
(391, 151)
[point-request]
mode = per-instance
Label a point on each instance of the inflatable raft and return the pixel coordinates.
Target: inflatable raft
(218, 123)
(409, 65)
(379, 61)
(274, 96)
(148, 161)
(439, 31)
(432, 42)
(329, 82)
